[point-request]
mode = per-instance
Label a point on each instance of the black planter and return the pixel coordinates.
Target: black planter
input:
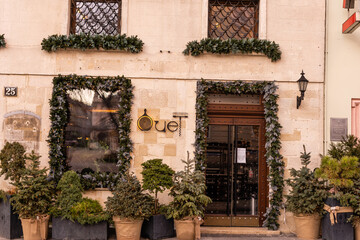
(10, 224)
(66, 229)
(342, 229)
(158, 227)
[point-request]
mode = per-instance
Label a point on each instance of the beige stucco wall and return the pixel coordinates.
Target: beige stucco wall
(342, 61)
(166, 82)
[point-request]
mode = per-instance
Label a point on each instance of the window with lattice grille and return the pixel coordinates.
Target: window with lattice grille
(236, 19)
(95, 17)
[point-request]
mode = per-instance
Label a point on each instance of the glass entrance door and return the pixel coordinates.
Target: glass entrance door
(235, 173)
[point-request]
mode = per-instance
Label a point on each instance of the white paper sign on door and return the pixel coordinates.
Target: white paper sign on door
(241, 155)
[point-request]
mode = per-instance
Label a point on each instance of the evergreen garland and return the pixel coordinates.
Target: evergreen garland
(85, 41)
(2, 41)
(273, 144)
(59, 116)
(218, 46)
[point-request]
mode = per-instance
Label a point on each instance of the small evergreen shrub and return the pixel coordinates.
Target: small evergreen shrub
(12, 161)
(307, 193)
(188, 193)
(348, 146)
(88, 211)
(157, 177)
(34, 192)
(129, 200)
(71, 205)
(340, 174)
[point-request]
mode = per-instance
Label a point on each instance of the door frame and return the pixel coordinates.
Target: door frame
(243, 114)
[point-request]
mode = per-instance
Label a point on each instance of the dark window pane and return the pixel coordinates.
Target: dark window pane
(92, 136)
(233, 19)
(96, 17)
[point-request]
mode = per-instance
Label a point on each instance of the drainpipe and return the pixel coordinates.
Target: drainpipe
(325, 127)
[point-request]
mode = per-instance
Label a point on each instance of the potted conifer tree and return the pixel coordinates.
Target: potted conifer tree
(341, 169)
(189, 201)
(129, 206)
(157, 177)
(340, 175)
(306, 199)
(75, 217)
(32, 200)
(12, 163)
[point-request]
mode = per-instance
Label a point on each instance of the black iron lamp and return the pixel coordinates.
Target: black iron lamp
(302, 82)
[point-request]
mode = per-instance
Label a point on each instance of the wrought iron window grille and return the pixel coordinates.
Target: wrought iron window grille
(236, 19)
(95, 17)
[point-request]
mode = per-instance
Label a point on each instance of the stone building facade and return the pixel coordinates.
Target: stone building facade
(164, 79)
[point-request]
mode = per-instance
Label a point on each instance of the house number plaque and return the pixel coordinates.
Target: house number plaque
(10, 91)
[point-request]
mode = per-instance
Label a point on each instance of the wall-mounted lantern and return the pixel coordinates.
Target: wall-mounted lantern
(302, 82)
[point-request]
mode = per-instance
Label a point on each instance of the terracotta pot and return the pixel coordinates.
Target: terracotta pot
(357, 230)
(127, 229)
(35, 229)
(185, 229)
(307, 226)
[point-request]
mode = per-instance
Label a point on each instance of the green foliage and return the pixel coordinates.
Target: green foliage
(348, 146)
(157, 177)
(234, 46)
(307, 193)
(3, 195)
(2, 41)
(272, 134)
(85, 41)
(188, 193)
(69, 191)
(12, 161)
(339, 173)
(129, 200)
(88, 211)
(71, 205)
(34, 193)
(59, 116)
(92, 179)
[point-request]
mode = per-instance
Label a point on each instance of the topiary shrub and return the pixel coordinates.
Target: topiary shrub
(157, 177)
(12, 161)
(129, 200)
(71, 205)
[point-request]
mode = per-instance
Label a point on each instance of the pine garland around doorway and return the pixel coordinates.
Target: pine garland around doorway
(59, 116)
(273, 144)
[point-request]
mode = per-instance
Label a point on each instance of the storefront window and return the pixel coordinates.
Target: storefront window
(91, 135)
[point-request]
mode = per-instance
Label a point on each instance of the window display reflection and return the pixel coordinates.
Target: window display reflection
(92, 136)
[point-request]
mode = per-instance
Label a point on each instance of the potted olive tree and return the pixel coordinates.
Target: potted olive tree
(157, 177)
(12, 163)
(129, 206)
(32, 200)
(75, 217)
(189, 201)
(306, 199)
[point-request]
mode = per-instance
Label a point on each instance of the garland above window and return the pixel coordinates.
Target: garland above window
(85, 41)
(2, 41)
(59, 116)
(273, 144)
(233, 46)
